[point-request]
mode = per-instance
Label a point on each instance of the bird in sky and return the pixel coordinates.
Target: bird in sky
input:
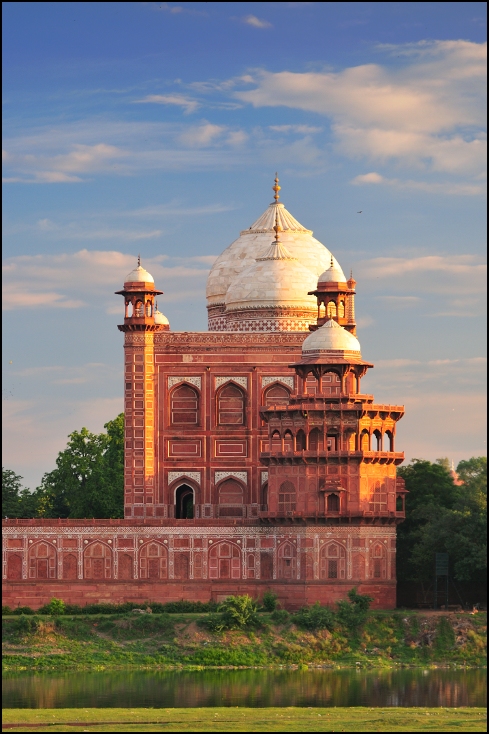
(360, 212)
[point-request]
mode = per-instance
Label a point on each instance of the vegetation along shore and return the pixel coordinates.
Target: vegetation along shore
(238, 633)
(245, 719)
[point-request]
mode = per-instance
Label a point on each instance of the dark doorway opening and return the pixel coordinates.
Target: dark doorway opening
(184, 503)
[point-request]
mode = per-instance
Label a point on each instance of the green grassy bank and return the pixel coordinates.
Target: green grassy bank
(244, 719)
(385, 639)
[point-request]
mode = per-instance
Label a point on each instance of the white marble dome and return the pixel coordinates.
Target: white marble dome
(275, 280)
(334, 274)
(139, 275)
(252, 243)
(161, 318)
(330, 337)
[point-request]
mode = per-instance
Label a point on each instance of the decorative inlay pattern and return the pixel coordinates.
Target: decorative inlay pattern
(264, 477)
(197, 381)
(285, 380)
(172, 475)
(241, 475)
(243, 381)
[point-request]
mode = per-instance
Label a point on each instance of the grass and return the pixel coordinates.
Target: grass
(246, 719)
(387, 639)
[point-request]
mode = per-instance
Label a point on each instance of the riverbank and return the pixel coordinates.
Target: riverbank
(387, 639)
(245, 719)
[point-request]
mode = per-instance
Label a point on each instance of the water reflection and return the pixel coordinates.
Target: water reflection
(253, 688)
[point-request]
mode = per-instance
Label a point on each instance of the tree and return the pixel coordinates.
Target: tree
(446, 518)
(11, 489)
(17, 501)
(88, 479)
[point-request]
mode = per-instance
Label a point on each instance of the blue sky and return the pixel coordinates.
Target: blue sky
(157, 128)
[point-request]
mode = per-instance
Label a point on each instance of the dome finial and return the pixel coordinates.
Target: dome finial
(276, 188)
(277, 227)
(331, 265)
(139, 261)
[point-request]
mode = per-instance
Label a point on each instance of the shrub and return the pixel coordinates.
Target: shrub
(269, 601)
(23, 610)
(184, 607)
(214, 622)
(238, 612)
(352, 614)
(73, 609)
(445, 635)
(314, 618)
(280, 616)
(6, 610)
(55, 607)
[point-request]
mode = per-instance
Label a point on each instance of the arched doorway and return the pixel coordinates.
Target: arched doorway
(184, 503)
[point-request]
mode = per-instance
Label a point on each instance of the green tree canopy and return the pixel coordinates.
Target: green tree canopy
(88, 479)
(444, 517)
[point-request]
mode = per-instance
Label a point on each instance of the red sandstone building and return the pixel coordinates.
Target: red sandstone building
(253, 460)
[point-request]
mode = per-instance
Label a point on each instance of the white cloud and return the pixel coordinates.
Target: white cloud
(71, 280)
(429, 187)
(429, 113)
(256, 22)
(202, 135)
(189, 105)
(301, 129)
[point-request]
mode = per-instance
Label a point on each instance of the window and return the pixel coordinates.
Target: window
(333, 503)
(231, 406)
(365, 441)
(311, 385)
(331, 310)
(300, 441)
(332, 443)
(377, 440)
(315, 440)
(224, 561)
(341, 310)
(332, 569)
(184, 503)
(230, 499)
(330, 384)
(287, 563)
(332, 561)
(184, 406)
(276, 395)
(288, 442)
(286, 497)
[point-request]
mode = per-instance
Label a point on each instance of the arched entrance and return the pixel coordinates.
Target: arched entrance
(184, 502)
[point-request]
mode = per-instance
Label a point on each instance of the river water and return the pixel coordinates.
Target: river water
(251, 688)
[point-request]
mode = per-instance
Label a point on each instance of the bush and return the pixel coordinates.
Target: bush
(269, 601)
(280, 616)
(314, 618)
(214, 623)
(23, 610)
(6, 610)
(184, 607)
(238, 612)
(352, 614)
(55, 607)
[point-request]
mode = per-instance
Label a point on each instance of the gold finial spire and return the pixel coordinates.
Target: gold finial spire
(276, 188)
(277, 226)
(332, 262)
(139, 261)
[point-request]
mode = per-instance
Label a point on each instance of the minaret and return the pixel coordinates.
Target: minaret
(331, 455)
(141, 320)
(335, 298)
(139, 295)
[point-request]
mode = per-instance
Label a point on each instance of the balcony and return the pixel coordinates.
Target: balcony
(371, 457)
